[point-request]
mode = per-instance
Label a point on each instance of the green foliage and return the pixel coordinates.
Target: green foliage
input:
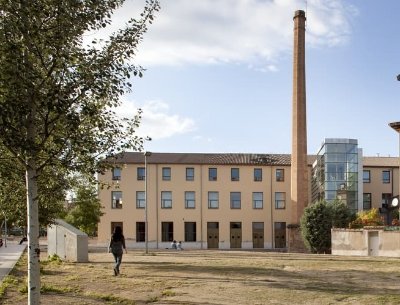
(56, 94)
(85, 210)
(341, 214)
(318, 220)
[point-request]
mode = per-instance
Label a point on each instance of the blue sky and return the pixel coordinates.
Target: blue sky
(219, 74)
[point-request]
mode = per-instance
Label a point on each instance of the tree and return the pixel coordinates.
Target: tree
(85, 210)
(318, 220)
(342, 215)
(57, 95)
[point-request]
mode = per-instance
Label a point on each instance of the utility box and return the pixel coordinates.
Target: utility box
(67, 242)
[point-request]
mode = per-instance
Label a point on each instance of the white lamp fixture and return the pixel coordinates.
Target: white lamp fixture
(395, 203)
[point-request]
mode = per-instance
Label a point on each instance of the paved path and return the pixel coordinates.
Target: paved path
(9, 256)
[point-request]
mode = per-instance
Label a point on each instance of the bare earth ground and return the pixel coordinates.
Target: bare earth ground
(212, 277)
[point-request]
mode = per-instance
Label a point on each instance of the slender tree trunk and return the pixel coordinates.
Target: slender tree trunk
(32, 201)
(33, 236)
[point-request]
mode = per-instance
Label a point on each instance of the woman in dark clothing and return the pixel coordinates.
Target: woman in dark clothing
(116, 247)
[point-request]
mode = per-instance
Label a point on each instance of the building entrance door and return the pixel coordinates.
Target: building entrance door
(373, 243)
(258, 235)
(236, 235)
(280, 234)
(212, 235)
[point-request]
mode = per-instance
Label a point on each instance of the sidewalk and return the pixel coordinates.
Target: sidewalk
(9, 256)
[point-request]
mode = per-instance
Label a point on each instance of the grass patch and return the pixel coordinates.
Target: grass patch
(152, 299)
(51, 260)
(57, 289)
(7, 281)
(168, 293)
(111, 298)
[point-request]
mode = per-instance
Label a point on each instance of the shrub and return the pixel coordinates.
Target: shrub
(318, 220)
(367, 218)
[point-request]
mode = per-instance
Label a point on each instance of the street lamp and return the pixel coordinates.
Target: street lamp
(396, 127)
(146, 226)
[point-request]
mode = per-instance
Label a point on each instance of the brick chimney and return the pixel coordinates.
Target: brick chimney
(299, 168)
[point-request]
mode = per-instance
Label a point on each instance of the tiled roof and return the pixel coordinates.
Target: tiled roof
(209, 158)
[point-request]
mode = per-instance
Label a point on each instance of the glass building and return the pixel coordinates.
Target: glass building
(337, 171)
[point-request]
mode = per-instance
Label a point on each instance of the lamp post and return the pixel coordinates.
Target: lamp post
(396, 127)
(146, 226)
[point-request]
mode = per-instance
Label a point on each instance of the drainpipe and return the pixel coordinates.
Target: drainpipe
(201, 207)
(272, 211)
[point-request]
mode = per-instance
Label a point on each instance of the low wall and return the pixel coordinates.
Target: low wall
(67, 242)
(366, 242)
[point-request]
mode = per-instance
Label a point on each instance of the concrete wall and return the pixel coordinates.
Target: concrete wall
(370, 242)
(67, 242)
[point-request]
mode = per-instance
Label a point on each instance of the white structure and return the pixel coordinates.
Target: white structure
(67, 242)
(367, 242)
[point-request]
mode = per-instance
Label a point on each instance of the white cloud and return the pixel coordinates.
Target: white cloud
(157, 122)
(253, 32)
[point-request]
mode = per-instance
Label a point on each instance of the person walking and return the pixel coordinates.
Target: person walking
(116, 247)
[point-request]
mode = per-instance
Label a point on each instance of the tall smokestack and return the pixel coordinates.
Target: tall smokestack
(299, 169)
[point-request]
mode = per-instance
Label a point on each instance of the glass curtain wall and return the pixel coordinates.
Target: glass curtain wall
(335, 172)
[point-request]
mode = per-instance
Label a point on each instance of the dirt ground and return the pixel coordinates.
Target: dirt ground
(212, 277)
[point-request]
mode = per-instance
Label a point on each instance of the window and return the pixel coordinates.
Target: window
(386, 199)
(116, 198)
(141, 173)
(257, 200)
(257, 174)
(190, 200)
(166, 200)
(367, 201)
(167, 231)
(213, 200)
(280, 174)
(190, 231)
(140, 231)
(236, 200)
(166, 173)
(280, 200)
(386, 176)
(116, 173)
(366, 176)
(212, 174)
(140, 200)
(189, 173)
(234, 174)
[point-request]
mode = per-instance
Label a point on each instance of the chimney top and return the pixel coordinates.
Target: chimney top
(299, 13)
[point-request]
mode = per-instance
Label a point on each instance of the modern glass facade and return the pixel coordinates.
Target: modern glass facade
(336, 172)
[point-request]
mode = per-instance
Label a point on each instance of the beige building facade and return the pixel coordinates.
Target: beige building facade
(222, 201)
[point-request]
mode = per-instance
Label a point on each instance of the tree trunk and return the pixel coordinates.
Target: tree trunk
(33, 235)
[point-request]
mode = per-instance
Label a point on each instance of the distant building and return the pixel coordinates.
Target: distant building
(226, 201)
(337, 173)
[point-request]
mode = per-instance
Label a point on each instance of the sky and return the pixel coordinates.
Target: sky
(219, 74)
